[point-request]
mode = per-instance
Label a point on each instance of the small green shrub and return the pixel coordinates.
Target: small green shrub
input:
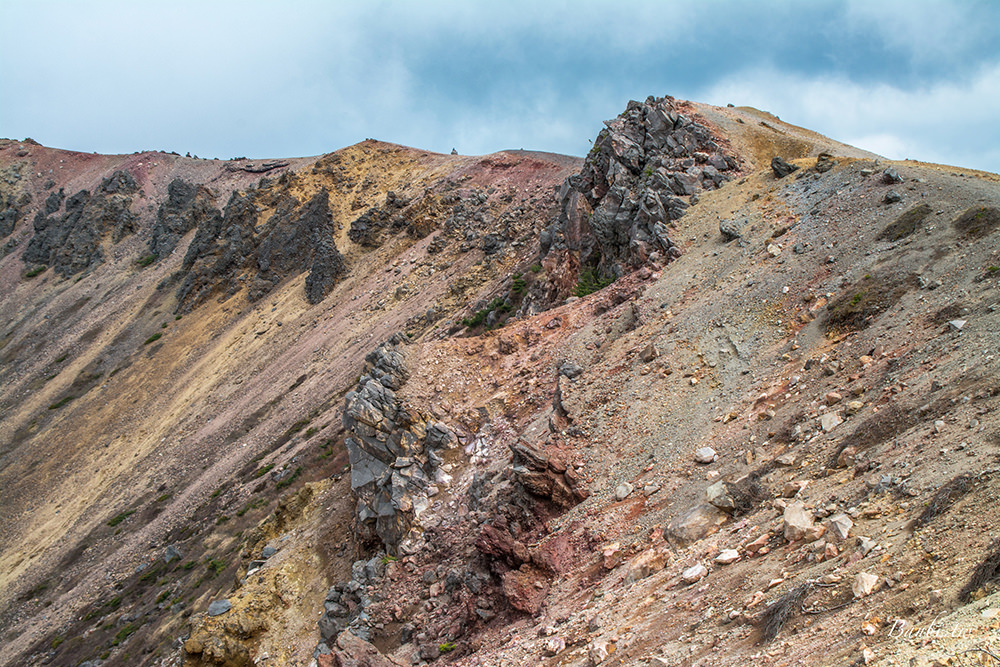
(447, 647)
(146, 261)
(162, 596)
(221, 520)
(35, 271)
(61, 402)
(120, 517)
(152, 339)
(190, 565)
(215, 566)
(62, 359)
(217, 492)
(165, 496)
(263, 471)
(536, 268)
(518, 286)
(311, 431)
(56, 642)
(590, 282)
(285, 483)
(124, 633)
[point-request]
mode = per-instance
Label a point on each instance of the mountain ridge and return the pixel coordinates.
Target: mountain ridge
(527, 392)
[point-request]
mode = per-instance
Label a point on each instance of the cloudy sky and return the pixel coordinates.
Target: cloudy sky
(909, 79)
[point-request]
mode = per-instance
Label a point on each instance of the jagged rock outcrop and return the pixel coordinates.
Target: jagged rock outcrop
(230, 252)
(367, 229)
(187, 206)
(71, 243)
(641, 174)
(393, 449)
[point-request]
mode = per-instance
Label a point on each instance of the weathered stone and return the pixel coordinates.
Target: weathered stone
(646, 564)
(219, 607)
(705, 455)
(694, 573)
(623, 491)
(718, 495)
(891, 176)
(782, 168)
(796, 521)
(830, 421)
(727, 556)
(839, 527)
(864, 584)
(696, 523)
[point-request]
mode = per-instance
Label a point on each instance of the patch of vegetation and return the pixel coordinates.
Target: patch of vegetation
(498, 304)
(879, 427)
(978, 221)
(750, 493)
(165, 496)
(217, 492)
(950, 312)
(985, 573)
(114, 603)
(152, 339)
(146, 260)
(124, 633)
(297, 426)
(589, 282)
(447, 647)
(215, 566)
(117, 519)
(311, 431)
(947, 495)
(518, 286)
(263, 471)
(781, 610)
(190, 565)
(252, 505)
(151, 574)
(162, 596)
(61, 402)
(35, 271)
(867, 299)
(285, 483)
(176, 317)
(221, 520)
(62, 359)
(57, 641)
(536, 268)
(906, 224)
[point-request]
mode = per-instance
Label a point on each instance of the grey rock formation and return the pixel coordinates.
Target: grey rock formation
(229, 252)
(781, 168)
(71, 243)
(615, 214)
(187, 207)
(367, 229)
(393, 450)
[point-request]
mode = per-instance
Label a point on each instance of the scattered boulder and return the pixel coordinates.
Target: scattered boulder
(839, 527)
(864, 584)
(698, 522)
(824, 163)
(797, 522)
(890, 176)
(694, 574)
(705, 455)
(727, 556)
(718, 496)
(219, 607)
(782, 168)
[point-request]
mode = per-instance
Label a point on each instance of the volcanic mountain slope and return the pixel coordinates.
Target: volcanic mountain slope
(355, 403)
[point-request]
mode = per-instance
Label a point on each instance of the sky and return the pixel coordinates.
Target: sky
(915, 79)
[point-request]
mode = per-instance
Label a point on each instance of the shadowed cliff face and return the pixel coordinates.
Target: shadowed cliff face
(389, 405)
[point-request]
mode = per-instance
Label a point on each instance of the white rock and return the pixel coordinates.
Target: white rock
(554, 646)
(830, 421)
(839, 527)
(773, 250)
(705, 455)
(623, 491)
(864, 584)
(694, 573)
(797, 521)
(727, 556)
(957, 324)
